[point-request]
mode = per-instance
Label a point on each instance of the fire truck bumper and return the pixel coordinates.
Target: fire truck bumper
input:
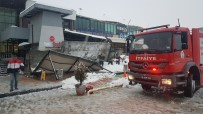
(171, 81)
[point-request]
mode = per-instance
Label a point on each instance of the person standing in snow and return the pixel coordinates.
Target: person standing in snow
(118, 59)
(110, 61)
(125, 64)
(15, 65)
(101, 59)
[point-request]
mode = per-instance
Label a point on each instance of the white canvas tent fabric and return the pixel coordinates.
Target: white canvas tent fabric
(54, 60)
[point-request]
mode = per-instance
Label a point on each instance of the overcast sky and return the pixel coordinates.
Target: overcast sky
(144, 13)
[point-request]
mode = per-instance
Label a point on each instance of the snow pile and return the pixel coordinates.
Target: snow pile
(113, 68)
(92, 77)
(121, 81)
(69, 83)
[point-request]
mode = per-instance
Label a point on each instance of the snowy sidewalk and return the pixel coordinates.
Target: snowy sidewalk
(97, 80)
(25, 83)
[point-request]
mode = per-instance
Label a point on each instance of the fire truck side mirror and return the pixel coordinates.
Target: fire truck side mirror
(128, 41)
(184, 46)
(128, 46)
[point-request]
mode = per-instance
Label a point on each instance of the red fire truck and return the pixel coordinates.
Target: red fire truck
(167, 58)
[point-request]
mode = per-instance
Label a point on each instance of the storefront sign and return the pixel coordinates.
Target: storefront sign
(121, 30)
(56, 44)
(52, 43)
(52, 38)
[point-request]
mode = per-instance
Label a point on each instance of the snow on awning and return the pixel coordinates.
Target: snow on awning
(54, 60)
(118, 40)
(74, 32)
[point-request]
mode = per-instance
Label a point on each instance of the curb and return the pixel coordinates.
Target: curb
(119, 73)
(28, 91)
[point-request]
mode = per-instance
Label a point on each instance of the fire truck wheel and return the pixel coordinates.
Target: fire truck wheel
(146, 87)
(190, 88)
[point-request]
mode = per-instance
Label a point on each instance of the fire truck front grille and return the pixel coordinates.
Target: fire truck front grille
(146, 67)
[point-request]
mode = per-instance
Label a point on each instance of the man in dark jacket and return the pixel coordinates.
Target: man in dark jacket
(101, 59)
(14, 66)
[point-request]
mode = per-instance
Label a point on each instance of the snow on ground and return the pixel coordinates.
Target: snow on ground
(113, 68)
(120, 81)
(126, 100)
(131, 100)
(92, 77)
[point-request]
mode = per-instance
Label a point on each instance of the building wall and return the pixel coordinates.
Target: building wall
(8, 17)
(36, 55)
(16, 33)
(36, 29)
(51, 26)
(52, 19)
(9, 13)
(29, 3)
(100, 27)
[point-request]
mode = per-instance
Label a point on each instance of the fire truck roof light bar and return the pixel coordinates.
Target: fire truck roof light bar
(166, 26)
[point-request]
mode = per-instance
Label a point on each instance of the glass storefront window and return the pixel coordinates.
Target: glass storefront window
(112, 29)
(7, 18)
(15, 48)
(77, 24)
(2, 47)
(86, 24)
(92, 25)
(1, 11)
(13, 13)
(2, 26)
(10, 48)
(1, 18)
(7, 12)
(99, 27)
(106, 27)
(109, 28)
(103, 27)
(13, 20)
(95, 26)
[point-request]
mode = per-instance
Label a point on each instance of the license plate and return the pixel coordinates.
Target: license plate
(146, 77)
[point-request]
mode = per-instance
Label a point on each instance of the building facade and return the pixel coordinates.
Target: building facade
(9, 16)
(15, 29)
(100, 27)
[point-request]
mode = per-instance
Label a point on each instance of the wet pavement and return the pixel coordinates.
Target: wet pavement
(128, 100)
(25, 83)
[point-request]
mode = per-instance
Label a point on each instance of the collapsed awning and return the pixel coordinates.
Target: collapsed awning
(54, 60)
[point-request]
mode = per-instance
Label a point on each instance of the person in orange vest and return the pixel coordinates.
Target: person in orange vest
(13, 69)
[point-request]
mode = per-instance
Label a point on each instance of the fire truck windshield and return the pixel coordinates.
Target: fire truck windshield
(152, 43)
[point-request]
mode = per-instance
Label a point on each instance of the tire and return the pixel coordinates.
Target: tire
(190, 88)
(146, 87)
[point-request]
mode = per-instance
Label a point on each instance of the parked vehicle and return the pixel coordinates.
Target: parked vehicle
(167, 58)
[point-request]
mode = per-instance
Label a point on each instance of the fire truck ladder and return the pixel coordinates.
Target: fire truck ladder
(166, 26)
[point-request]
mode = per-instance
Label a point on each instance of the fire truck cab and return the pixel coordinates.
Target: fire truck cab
(167, 58)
